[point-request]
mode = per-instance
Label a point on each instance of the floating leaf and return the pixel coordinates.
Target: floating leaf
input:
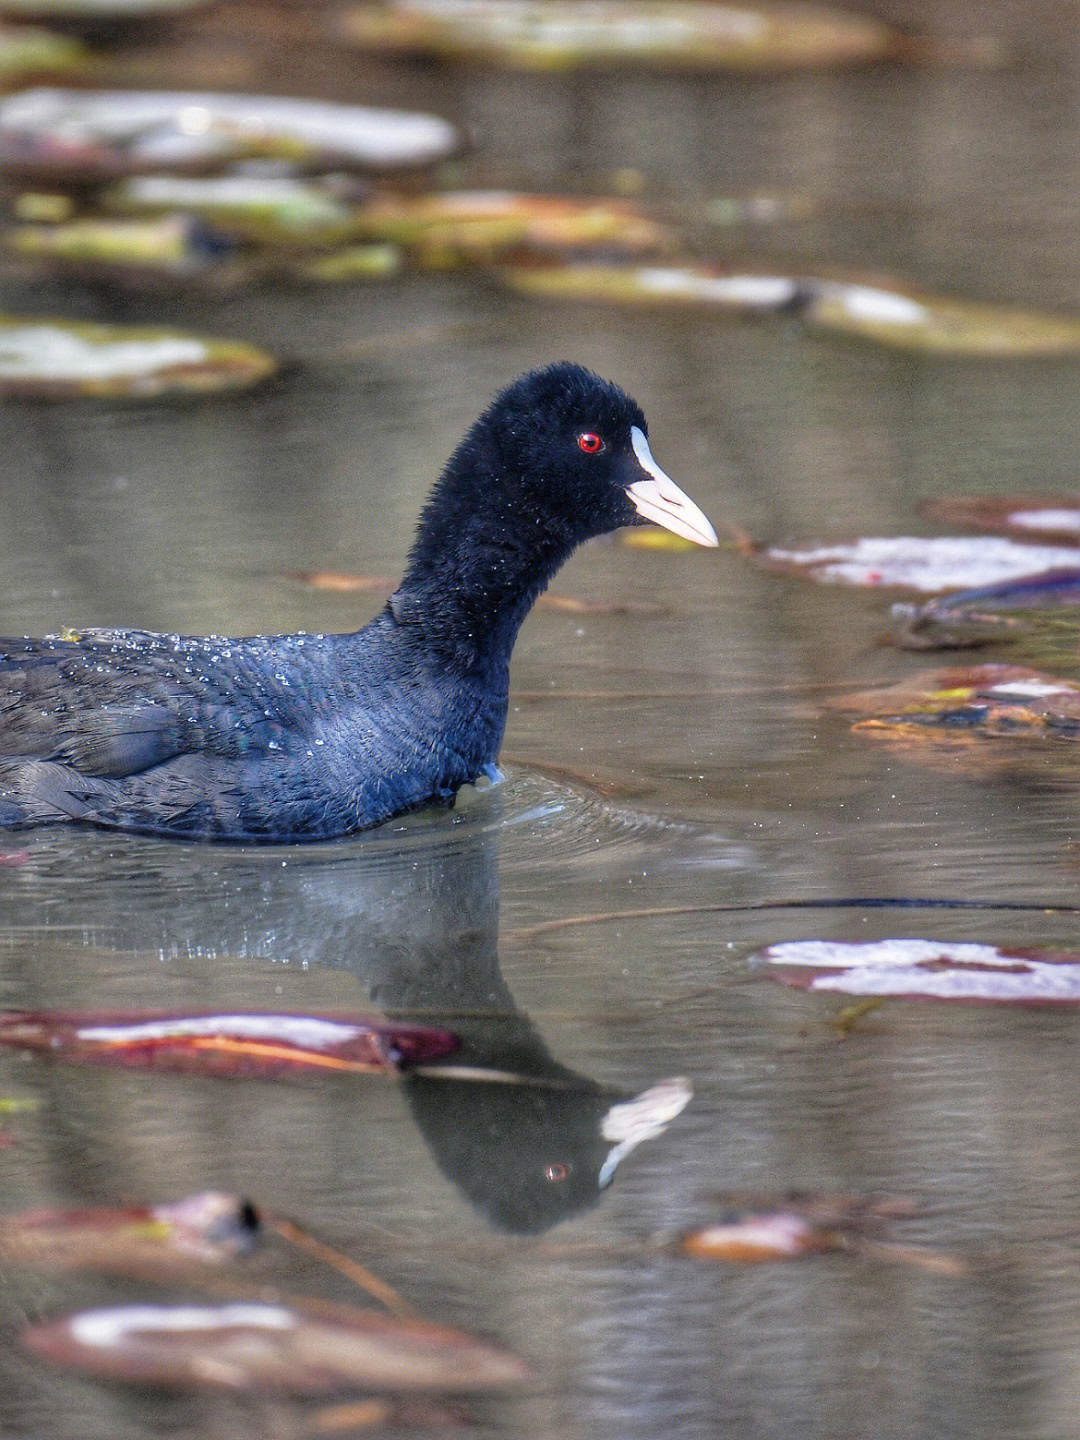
(678, 286)
(1045, 517)
(155, 1240)
(927, 969)
(990, 701)
(99, 135)
(910, 319)
(754, 1232)
(911, 562)
(11, 860)
(694, 35)
(60, 359)
(275, 1349)
(257, 1046)
(351, 262)
(974, 617)
(341, 583)
(263, 209)
(453, 227)
(84, 10)
(29, 56)
(175, 248)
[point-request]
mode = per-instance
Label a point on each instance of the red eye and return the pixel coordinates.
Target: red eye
(590, 443)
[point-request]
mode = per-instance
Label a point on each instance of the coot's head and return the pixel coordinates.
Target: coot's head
(570, 452)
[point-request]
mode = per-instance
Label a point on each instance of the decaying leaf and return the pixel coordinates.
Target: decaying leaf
(913, 562)
(254, 1046)
(980, 616)
(677, 285)
(102, 134)
(1042, 517)
(455, 227)
(986, 701)
(30, 56)
(61, 360)
(910, 319)
(348, 263)
(693, 35)
(262, 209)
(927, 970)
(147, 1240)
(274, 1349)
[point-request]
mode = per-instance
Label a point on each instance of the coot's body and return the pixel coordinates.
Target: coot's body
(303, 737)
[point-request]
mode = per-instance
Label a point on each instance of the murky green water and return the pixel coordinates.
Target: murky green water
(669, 761)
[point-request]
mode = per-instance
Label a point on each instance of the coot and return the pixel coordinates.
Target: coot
(305, 737)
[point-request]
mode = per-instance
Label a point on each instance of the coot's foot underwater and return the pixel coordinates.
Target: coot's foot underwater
(305, 737)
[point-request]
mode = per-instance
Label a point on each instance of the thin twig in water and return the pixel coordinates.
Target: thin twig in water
(351, 1269)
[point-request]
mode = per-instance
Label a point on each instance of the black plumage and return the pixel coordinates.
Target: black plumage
(296, 737)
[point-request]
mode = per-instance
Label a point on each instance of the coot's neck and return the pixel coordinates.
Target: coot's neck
(477, 564)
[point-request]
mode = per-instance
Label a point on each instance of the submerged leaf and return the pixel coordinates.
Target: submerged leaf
(256, 1046)
(695, 35)
(927, 969)
(98, 135)
(147, 1239)
(274, 1349)
(61, 359)
(1044, 517)
(912, 562)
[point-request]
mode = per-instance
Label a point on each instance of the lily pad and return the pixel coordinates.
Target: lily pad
(1043, 517)
(910, 319)
(60, 360)
(987, 701)
(91, 135)
(454, 227)
(559, 35)
(909, 562)
(157, 1240)
(272, 1349)
(927, 970)
(256, 1046)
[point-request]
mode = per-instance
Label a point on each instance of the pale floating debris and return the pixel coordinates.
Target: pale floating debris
(259, 208)
(170, 248)
(59, 359)
(928, 969)
(101, 134)
(1055, 517)
(274, 1349)
(694, 35)
(936, 324)
(29, 55)
(630, 1122)
(677, 285)
(911, 562)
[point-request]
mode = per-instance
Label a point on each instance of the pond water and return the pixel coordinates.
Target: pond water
(670, 774)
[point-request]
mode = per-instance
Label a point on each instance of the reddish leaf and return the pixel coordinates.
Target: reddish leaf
(1038, 517)
(258, 1046)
